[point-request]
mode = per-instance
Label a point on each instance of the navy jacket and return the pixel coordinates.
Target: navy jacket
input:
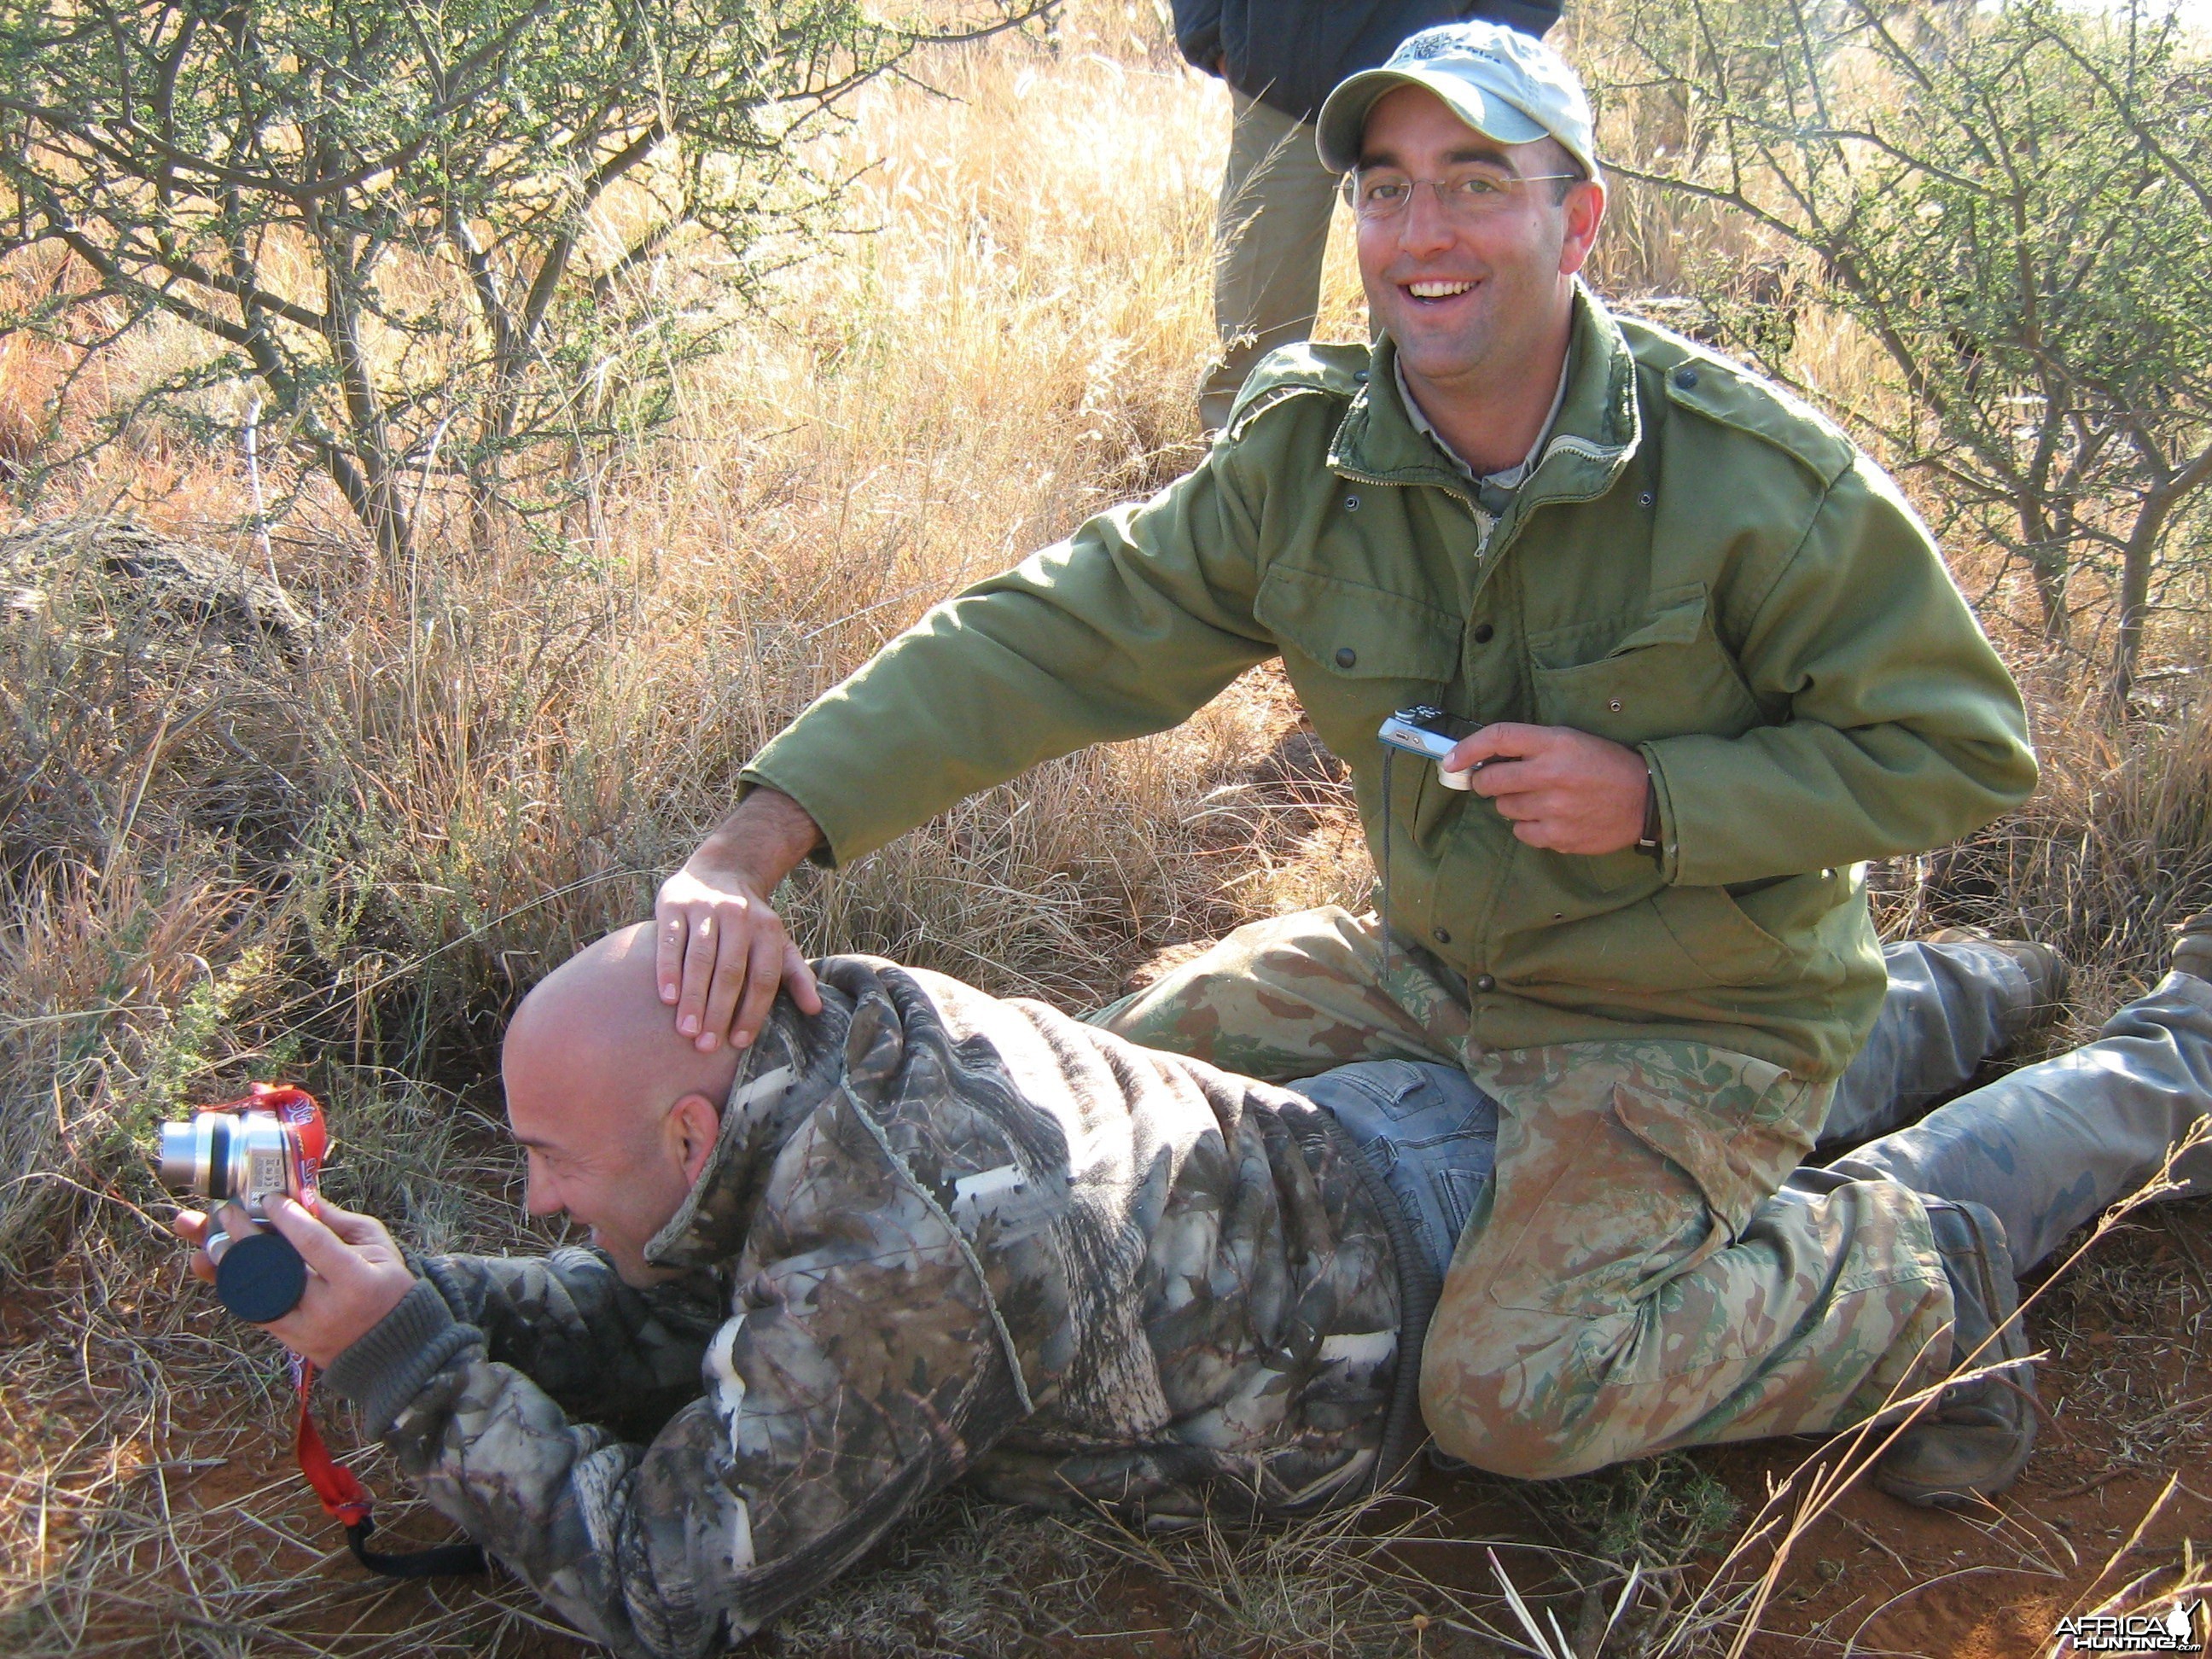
(1289, 53)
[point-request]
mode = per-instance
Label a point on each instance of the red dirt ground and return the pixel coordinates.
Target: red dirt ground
(2128, 1391)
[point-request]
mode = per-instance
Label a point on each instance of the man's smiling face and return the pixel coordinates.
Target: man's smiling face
(620, 1174)
(1469, 302)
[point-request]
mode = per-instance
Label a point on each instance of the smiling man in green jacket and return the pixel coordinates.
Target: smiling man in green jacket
(1714, 663)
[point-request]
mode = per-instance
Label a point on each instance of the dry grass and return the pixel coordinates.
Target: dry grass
(345, 862)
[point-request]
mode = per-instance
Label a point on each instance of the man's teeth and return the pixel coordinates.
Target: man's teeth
(1436, 290)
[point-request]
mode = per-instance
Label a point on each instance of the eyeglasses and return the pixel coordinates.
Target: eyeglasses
(1465, 198)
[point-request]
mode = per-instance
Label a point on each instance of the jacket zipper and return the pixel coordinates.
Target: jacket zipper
(1484, 525)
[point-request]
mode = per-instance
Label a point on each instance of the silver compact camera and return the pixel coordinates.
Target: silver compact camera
(232, 1157)
(1424, 730)
(269, 1145)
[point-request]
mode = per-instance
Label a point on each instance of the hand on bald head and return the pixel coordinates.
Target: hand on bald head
(595, 1030)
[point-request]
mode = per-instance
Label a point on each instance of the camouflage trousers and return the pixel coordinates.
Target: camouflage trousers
(1629, 1281)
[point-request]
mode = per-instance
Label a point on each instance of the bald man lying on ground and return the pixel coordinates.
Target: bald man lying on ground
(929, 1235)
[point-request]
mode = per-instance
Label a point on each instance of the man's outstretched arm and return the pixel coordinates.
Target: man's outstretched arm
(1139, 617)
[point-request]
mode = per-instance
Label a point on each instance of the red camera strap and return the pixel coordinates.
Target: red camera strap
(347, 1502)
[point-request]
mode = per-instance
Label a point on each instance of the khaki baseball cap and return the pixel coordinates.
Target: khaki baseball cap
(1505, 85)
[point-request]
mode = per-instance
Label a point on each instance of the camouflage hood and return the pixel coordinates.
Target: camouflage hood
(953, 1236)
(796, 1066)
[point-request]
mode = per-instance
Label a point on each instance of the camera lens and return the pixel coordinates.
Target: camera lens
(195, 1156)
(182, 1157)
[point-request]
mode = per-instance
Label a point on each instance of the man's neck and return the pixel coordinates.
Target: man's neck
(1492, 421)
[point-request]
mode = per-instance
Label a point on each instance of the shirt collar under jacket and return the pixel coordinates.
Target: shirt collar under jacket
(1510, 478)
(1595, 430)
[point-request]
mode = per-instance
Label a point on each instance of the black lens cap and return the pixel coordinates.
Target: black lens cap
(260, 1277)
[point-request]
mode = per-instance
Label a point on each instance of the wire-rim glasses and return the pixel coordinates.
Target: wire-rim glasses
(1464, 196)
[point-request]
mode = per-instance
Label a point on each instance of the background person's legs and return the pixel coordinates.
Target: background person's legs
(1269, 237)
(2048, 1147)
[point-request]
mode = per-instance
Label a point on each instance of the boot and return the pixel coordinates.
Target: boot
(2192, 945)
(2048, 973)
(1974, 1439)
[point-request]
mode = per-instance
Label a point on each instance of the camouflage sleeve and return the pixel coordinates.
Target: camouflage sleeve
(865, 1366)
(626, 1358)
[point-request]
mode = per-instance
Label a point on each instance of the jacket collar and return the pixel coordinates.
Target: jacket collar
(1598, 428)
(784, 1077)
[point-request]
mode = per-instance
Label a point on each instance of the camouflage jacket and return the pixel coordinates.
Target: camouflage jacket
(941, 1235)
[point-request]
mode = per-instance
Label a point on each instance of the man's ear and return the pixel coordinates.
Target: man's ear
(1585, 211)
(695, 1123)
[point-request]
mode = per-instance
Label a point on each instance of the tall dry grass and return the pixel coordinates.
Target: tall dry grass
(345, 860)
(482, 762)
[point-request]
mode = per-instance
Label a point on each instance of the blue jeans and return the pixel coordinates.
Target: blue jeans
(1429, 1132)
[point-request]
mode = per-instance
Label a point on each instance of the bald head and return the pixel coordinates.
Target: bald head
(615, 1111)
(596, 1026)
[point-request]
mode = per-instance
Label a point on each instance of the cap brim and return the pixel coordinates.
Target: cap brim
(1343, 117)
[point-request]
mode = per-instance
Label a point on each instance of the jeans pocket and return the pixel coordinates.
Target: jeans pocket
(1427, 1130)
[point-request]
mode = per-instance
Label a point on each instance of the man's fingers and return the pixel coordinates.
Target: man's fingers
(1546, 833)
(799, 980)
(733, 965)
(1533, 806)
(338, 1219)
(1500, 738)
(1516, 808)
(193, 1227)
(350, 1225)
(763, 973)
(670, 927)
(321, 1248)
(1506, 777)
(701, 943)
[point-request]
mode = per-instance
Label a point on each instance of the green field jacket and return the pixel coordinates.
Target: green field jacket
(1697, 566)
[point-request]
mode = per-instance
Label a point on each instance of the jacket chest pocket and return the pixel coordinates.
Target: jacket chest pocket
(1664, 676)
(1356, 653)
